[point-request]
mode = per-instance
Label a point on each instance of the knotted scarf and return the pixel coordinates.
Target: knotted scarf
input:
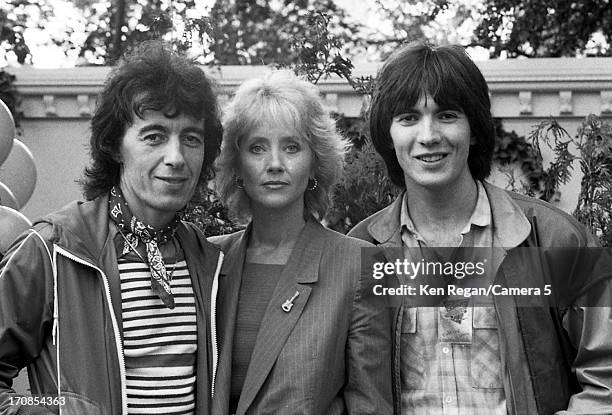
(135, 231)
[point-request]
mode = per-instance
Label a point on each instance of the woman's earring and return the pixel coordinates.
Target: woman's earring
(239, 182)
(314, 184)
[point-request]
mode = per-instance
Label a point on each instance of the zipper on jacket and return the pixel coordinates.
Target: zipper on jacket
(55, 333)
(118, 344)
(213, 322)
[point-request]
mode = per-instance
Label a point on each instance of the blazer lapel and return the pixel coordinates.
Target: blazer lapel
(301, 270)
(230, 279)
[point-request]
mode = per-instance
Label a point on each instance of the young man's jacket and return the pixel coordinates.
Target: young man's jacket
(60, 313)
(566, 361)
(330, 353)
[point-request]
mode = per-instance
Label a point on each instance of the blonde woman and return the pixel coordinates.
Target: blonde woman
(299, 330)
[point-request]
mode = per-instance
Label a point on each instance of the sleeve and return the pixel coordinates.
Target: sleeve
(368, 389)
(588, 323)
(26, 315)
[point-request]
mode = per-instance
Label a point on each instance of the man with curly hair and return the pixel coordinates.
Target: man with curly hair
(110, 302)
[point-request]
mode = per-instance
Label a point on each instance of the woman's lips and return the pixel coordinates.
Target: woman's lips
(431, 158)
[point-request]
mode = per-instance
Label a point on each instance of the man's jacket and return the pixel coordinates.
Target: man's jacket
(60, 313)
(555, 357)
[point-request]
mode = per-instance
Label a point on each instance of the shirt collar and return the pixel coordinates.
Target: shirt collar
(481, 216)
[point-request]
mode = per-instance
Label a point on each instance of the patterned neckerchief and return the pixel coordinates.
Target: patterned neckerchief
(135, 231)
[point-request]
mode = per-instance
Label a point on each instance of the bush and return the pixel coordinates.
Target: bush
(364, 189)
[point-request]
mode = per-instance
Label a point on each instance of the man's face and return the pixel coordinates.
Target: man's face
(432, 146)
(161, 159)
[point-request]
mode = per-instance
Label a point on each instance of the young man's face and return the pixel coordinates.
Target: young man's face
(161, 159)
(432, 146)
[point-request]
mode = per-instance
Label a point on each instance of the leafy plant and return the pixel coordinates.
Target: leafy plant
(208, 214)
(364, 189)
(319, 52)
(512, 149)
(594, 155)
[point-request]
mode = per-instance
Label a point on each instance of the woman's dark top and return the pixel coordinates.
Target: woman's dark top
(258, 284)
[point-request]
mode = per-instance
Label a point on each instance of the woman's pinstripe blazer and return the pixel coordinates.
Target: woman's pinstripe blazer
(331, 353)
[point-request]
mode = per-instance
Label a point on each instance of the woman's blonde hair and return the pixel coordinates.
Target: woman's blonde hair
(280, 97)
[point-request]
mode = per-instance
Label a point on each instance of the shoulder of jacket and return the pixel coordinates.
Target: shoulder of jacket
(225, 241)
(385, 215)
(46, 231)
(552, 221)
(39, 238)
(205, 243)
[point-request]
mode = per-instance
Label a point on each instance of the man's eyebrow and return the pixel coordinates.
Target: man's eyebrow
(153, 127)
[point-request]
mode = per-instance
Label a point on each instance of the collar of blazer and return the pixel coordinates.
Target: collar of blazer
(298, 276)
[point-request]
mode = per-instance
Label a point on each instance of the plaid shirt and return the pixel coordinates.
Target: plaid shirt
(450, 367)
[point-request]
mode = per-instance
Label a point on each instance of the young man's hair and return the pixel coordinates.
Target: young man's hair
(452, 79)
(151, 77)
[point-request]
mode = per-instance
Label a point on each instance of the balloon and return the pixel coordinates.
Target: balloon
(7, 131)
(7, 198)
(19, 172)
(12, 224)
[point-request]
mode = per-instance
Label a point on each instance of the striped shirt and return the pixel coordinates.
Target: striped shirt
(159, 344)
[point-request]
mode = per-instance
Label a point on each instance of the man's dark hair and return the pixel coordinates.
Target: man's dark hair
(150, 77)
(452, 79)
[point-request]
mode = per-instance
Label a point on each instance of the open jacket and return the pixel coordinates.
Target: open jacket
(60, 312)
(555, 358)
(331, 353)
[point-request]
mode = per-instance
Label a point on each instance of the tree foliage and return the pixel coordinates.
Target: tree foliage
(232, 32)
(254, 32)
(553, 28)
(248, 32)
(13, 21)
(116, 28)
(123, 23)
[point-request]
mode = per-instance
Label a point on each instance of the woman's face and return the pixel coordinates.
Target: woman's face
(275, 164)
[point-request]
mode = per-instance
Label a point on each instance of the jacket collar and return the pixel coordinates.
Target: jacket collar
(510, 225)
(304, 252)
(385, 226)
